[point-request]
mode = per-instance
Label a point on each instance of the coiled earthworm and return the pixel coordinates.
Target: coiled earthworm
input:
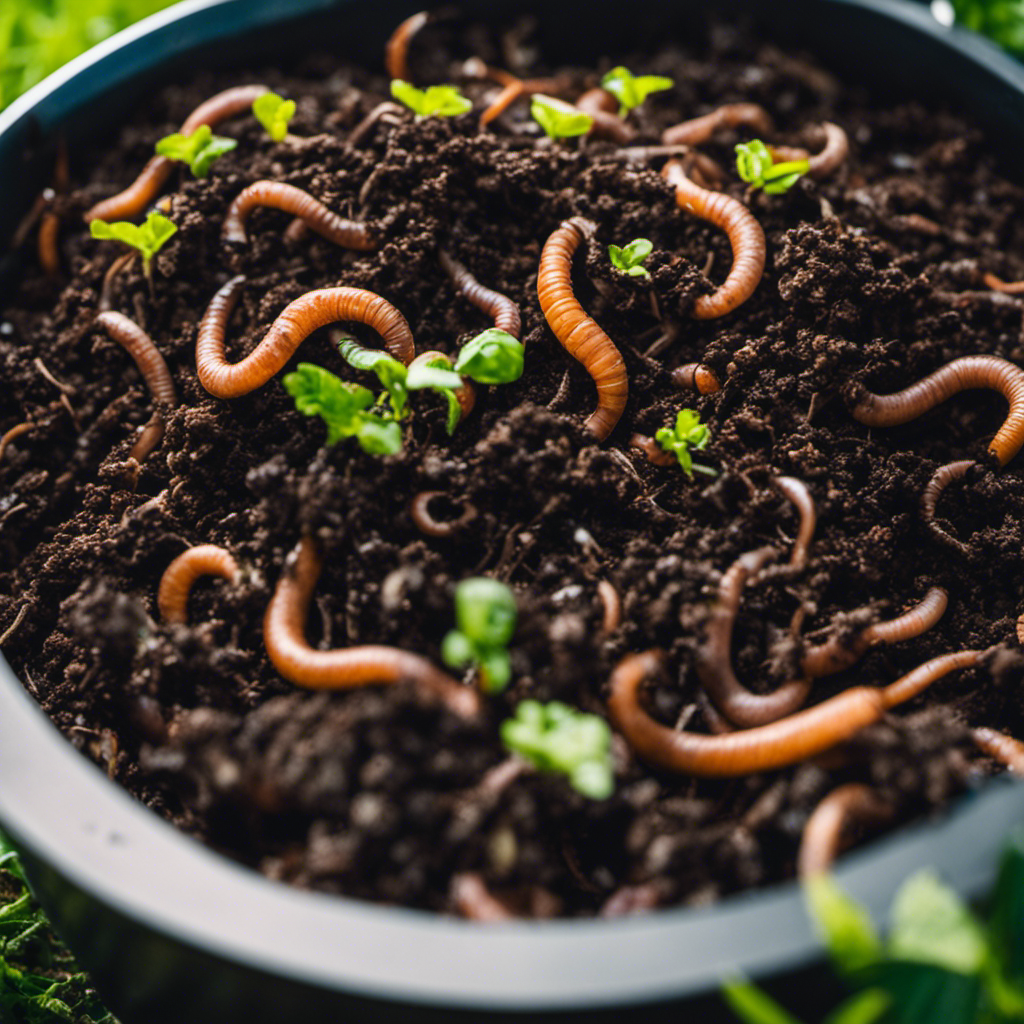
(576, 332)
(293, 325)
(828, 159)
(474, 900)
(179, 577)
(602, 106)
(800, 497)
(424, 521)
(284, 627)
(940, 480)
(500, 308)
(16, 431)
(745, 236)
(697, 377)
(656, 455)
(347, 233)
(777, 745)
(106, 302)
(698, 130)
(611, 604)
(396, 49)
(997, 284)
(141, 192)
(959, 375)
(139, 345)
(465, 395)
(1005, 749)
(823, 834)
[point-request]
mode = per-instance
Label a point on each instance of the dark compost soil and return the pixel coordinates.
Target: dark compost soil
(873, 275)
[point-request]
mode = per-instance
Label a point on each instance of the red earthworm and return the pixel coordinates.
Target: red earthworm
(745, 236)
(396, 49)
(419, 512)
(346, 233)
(656, 455)
(940, 480)
(284, 627)
(798, 494)
(1005, 749)
(500, 308)
(474, 67)
(179, 577)
(465, 395)
(959, 375)
(997, 284)
(832, 155)
(696, 376)
(16, 431)
(508, 95)
(576, 332)
(106, 292)
(474, 900)
(603, 107)
(698, 130)
(823, 834)
(293, 325)
(777, 745)
(139, 345)
(611, 603)
(141, 192)
(47, 239)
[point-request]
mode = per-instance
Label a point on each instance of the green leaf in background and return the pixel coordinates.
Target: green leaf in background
(844, 925)
(1001, 20)
(926, 994)
(863, 1008)
(1007, 915)
(754, 1006)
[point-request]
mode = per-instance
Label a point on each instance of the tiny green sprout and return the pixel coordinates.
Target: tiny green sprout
(434, 101)
(437, 374)
(631, 90)
(148, 238)
(559, 120)
(755, 165)
(342, 406)
(556, 738)
(629, 258)
(274, 113)
(390, 372)
(198, 150)
(688, 434)
(485, 614)
(492, 357)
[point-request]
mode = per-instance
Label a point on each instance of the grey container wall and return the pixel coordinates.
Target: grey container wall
(174, 933)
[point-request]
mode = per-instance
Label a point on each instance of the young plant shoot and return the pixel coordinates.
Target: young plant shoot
(629, 258)
(556, 738)
(492, 357)
(485, 617)
(274, 113)
(434, 101)
(688, 434)
(756, 166)
(631, 90)
(559, 120)
(198, 150)
(148, 238)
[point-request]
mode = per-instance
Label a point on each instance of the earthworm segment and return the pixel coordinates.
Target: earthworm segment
(698, 130)
(824, 832)
(396, 49)
(940, 480)
(602, 106)
(796, 491)
(696, 377)
(1005, 749)
(426, 523)
(500, 308)
(827, 160)
(180, 576)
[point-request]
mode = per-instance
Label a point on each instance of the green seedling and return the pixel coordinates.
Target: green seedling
(198, 150)
(756, 166)
(148, 238)
(629, 258)
(559, 120)
(274, 113)
(485, 618)
(556, 738)
(434, 101)
(631, 90)
(492, 357)
(688, 434)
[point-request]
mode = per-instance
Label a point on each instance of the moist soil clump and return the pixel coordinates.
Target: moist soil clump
(874, 276)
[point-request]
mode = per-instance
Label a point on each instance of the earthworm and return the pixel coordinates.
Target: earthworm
(46, 243)
(474, 900)
(500, 308)
(284, 628)
(997, 284)
(612, 605)
(396, 50)
(745, 236)
(940, 480)
(832, 155)
(465, 395)
(576, 332)
(698, 130)
(106, 292)
(656, 455)
(179, 577)
(1005, 749)
(293, 325)
(800, 497)
(959, 375)
(508, 95)
(281, 196)
(696, 376)
(777, 745)
(141, 192)
(602, 106)
(423, 519)
(16, 431)
(139, 345)
(823, 834)
(383, 111)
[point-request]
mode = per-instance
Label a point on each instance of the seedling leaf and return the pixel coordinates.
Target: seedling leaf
(631, 90)
(434, 101)
(753, 1005)
(198, 150)
(148, 238)
(274, 113)
(755, 165)
(492, 357)
(390, 372)
(629, 258)
(559, 120)
(846, 928)
(485, 617)
(688, 433)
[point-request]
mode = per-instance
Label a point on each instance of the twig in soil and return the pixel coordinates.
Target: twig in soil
(65, 389)
(396, 49)
(106, 292)
(666, 337)
(602, 107)
(611, 604)
(655, 454)
(745, 236)
(562, 393)
(386, 113)
(474, 901)
(424, 521)
(295, 323)
(698, 130)
(940, 480)
(284, 635)
(696, 376)
(827, 160)
(144, 190)
(576, 332)
(997, 284)
(18, 619)
(823, 834)
(959, 375)
(16, 431)
(29, 221)
(501, 308)
(277, 194)
(180, 576)
(1005, 749)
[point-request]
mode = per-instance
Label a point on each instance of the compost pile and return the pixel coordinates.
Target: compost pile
(875, 278)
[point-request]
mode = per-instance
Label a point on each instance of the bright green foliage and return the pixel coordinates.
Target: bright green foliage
(198, 150)
(485, 617)
(342, 406)
(148, 238)
(559, 120)
(755, 165)
(434, 101)
(629, 258)
(844, 925)
(1001, 20)
(492, 357)
(631, 90)
(556, 738)
(687, 434)
(274, 113)
(754, 1006)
